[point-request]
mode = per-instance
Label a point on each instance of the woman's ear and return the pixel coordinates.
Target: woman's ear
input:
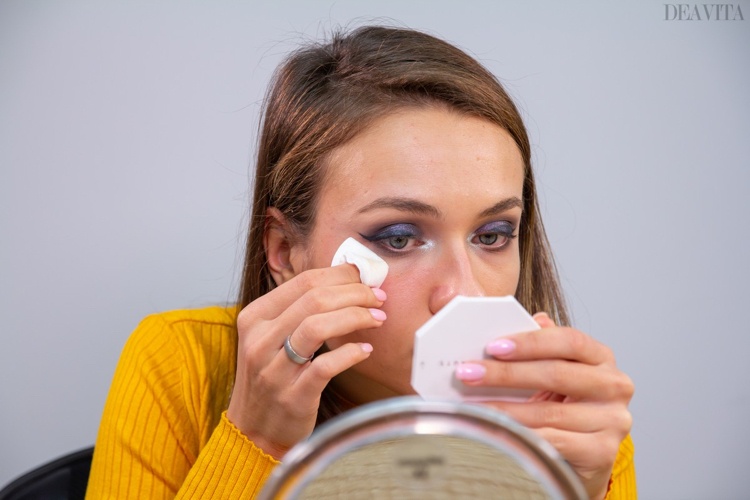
(280, 247)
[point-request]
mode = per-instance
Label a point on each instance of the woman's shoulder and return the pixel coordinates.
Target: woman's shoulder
(172, 382)
(184, 324)
(188, 356)
(206, 336)
(196, 318)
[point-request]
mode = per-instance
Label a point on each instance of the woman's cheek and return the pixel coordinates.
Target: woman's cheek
(406, 286)
(407, 304)
(405, 308)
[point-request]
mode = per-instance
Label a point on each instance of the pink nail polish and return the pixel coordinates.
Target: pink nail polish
(366, 347)
(378, 314)
(470, 371)
(500, 347)
(379, 294)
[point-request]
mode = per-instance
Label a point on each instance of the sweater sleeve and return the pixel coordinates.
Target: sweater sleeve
(157, 439)
(230, 466)
(622, 486)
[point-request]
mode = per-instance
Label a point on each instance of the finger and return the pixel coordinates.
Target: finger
(272, 304)
(329, 364)
(296, 389)
(313, 331)
(576, 380)
(551, 343)
(543, 320)
(316, 301)
(585, 452)
(578, 417)
(546, 396)
(329, 298)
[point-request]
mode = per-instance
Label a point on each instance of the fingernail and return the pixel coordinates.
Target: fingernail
(500, 347)
(366, 347)
(470, 371)
(541, 315)
(378, 314)
(379, 294)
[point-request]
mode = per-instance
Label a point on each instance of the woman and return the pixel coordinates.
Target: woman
(410, 146)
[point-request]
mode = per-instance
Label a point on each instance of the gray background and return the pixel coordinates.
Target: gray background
(127, 129)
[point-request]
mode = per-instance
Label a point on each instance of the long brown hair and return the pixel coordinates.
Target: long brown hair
(324, 94)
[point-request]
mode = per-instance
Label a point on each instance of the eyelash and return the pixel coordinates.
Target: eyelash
(501, 229)
(391, 232)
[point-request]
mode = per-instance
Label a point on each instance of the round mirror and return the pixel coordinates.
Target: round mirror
(408, 448)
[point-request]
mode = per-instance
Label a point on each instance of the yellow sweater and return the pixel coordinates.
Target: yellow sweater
(164, 432)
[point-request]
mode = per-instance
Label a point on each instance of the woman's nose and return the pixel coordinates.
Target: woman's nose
(455, 275)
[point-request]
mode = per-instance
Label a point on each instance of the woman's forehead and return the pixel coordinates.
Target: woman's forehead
(447, 161)
(427, 149)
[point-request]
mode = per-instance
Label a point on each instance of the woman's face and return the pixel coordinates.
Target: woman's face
(438, 195)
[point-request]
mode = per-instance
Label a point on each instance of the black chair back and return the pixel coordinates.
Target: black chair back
(62, 479)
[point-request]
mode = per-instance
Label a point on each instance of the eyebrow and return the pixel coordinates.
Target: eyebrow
(420, 208)
(503, 206)
(403, 204)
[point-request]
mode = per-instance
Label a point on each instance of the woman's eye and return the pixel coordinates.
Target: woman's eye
(395, 238)
(487, 239)
(397, 242)
(494, 235)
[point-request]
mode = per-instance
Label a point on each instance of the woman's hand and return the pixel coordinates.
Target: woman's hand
(582, 404)
(275, 400)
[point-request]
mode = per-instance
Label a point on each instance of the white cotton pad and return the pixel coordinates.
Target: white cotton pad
(372, 269)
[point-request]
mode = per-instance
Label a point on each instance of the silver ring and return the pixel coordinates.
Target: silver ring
(293, 354)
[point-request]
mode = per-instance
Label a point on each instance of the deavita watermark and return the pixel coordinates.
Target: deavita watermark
(703, 12)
